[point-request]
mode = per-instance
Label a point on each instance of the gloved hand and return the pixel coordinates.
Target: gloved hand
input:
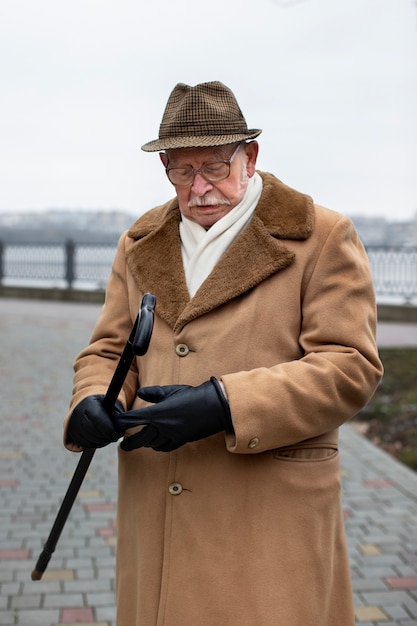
(91, 426)
(181, 413)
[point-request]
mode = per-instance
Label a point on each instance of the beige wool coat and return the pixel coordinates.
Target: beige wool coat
(242, 529)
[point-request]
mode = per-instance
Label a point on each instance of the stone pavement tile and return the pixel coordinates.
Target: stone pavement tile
(83, 623)
(58, 574)
(77, 615)
(386, 598)
(95, 585)
(12, 554)
(405, 570)
(93, 493)
(70, 600)
(38, 618)
(368, 584)
(408, 582)
(111, 542)
(370, 549)
(99, 599)
(7, 618)
(107, 614)
(377, 573)
(370, 614)
(398, 612)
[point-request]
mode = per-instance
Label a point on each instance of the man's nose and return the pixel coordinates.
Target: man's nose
(200, 185)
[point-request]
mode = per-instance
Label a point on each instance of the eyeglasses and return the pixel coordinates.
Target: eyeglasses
(213, 172)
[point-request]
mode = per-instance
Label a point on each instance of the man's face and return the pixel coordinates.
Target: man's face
(204, 202)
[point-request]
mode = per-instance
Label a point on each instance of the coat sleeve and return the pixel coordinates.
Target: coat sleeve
(95, 365)
(340, 368)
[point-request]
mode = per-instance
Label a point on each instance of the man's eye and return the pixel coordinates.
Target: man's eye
(213, 168)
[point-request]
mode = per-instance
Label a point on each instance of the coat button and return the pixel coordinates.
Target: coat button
(253, 442)
(182, 349)
(175, 489)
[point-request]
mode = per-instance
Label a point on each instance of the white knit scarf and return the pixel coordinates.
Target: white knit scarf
(201, 248)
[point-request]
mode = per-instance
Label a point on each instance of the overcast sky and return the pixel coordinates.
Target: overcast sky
(332, 83)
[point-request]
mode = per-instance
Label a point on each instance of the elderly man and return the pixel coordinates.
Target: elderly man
(263, 345)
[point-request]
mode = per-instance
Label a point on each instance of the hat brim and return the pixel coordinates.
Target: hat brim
(173, 143)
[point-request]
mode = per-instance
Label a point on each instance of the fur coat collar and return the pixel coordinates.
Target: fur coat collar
(155, 262)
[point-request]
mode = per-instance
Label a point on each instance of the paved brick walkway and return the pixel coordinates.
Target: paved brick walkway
(38, 342)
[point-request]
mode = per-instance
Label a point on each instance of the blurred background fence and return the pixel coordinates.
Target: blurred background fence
(66, 265)
(87, 266)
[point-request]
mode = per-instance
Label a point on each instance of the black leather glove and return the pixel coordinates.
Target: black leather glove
(91, 426)
(180, 414)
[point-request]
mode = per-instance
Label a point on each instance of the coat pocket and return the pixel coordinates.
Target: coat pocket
(302, 453)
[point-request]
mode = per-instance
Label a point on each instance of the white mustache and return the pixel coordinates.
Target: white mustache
(208, 200)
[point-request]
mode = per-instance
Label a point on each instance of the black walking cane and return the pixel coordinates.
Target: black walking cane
(137, 344)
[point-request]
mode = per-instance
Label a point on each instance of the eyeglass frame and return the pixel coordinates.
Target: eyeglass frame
(198, 170)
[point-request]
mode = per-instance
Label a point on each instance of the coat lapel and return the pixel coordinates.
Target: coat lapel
(155, 260)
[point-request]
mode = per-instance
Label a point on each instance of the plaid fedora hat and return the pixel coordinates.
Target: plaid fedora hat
(205, 115)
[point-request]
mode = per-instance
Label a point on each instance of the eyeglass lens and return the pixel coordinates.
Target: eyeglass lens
(212, 172)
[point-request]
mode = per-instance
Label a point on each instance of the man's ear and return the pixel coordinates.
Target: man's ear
(252, 149)
(163, 158)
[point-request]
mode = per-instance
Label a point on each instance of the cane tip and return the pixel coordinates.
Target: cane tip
(36, 574)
